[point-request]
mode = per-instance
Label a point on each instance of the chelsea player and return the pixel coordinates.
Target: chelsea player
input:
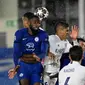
(30, 47)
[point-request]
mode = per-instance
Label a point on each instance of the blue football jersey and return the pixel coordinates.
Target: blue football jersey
(24, 43)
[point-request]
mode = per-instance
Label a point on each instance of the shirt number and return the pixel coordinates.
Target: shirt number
(66, 82)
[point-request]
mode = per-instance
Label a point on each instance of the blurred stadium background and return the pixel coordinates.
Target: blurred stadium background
(11, 12)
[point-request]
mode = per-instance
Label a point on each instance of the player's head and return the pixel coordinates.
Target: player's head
(26, 19)
(76, 53)
(81, 42)
(35, 21)
(61, 29)
(34, 24)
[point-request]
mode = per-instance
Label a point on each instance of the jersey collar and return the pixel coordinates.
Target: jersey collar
(75, 63)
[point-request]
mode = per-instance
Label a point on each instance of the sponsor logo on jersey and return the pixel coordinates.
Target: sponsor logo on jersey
(60, 48)
(59, 51)
(30, 47)
(24, 38)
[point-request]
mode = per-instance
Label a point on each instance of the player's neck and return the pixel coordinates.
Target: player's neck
(77, 61)
(29, 31)
(61, 38)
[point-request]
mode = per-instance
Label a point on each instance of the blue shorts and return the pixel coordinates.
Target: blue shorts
(29, 71)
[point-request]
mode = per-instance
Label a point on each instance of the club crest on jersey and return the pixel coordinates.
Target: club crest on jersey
(36, 39)
(21, 74)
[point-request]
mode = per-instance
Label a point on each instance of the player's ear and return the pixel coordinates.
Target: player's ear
(82, 57)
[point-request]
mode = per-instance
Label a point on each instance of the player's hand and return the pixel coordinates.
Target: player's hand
(51, 56)
(36, 57)
(74, 32)
(82, 44)
(11, 73)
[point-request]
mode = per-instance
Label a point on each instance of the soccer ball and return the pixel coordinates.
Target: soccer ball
(41, 12)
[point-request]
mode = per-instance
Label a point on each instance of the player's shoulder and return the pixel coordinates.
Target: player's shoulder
(19, 34)
(79, 67)
(43, 33)
(64, 68)
(82, 68)
(22, 30)
(51, 36)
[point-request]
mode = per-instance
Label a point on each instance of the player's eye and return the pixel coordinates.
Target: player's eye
(83, 45)
(67, 30)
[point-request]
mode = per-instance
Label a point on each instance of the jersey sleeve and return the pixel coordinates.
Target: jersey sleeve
(44, 46)
(52, 44)
(68, 46)
(17, 47)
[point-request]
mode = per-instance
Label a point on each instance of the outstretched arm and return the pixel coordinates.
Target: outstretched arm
(16, 55)
(74, 34)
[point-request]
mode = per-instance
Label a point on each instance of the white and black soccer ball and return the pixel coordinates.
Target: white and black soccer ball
(41, 12)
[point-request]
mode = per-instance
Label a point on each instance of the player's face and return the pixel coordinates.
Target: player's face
(82, 44)
(26, 22)
(62, 32)
(35, 23)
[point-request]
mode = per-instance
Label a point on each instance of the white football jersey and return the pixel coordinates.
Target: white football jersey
(72, 74)
(57, 47)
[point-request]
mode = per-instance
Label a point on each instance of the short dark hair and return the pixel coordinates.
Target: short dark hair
(61, 23)
(76, 53)
(80, 39)
(35, 16)
(29, 15)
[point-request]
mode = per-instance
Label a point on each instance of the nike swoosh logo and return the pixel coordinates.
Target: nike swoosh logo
(24, 38)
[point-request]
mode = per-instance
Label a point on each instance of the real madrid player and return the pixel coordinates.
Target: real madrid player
(58, 45)
(73, 73)
(30, 47)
